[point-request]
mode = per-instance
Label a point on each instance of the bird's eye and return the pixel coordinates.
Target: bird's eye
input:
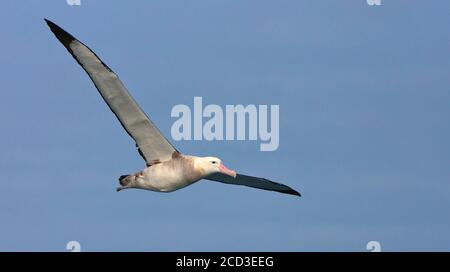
(213, 162)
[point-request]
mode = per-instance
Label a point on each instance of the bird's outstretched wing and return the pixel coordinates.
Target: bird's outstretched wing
(260, 183)
(149, 140)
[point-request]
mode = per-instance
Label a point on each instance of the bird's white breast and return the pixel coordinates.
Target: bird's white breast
(167, 176)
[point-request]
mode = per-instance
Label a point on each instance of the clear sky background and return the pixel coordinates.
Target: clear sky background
(364, 95)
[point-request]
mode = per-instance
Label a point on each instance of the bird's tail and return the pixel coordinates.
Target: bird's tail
(124, 180)
(129, 181)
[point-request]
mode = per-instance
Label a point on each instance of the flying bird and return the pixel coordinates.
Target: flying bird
(166, 168)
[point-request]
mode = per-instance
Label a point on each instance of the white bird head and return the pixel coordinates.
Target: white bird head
(212, 165)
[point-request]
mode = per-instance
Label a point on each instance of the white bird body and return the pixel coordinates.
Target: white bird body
(176, 173)
(164, 177)
(167, 176)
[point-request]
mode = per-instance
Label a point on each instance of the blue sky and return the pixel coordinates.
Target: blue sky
(364, 97)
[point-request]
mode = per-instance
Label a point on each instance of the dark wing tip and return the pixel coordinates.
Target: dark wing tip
(293, 192)
(288, 189)
(63, 36)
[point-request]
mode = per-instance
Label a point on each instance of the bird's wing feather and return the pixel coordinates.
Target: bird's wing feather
(149, 140)
(260, 183)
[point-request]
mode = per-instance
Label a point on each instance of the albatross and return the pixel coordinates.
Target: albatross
(167, 169)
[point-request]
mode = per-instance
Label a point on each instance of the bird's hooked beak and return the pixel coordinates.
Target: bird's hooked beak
(226, 171)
